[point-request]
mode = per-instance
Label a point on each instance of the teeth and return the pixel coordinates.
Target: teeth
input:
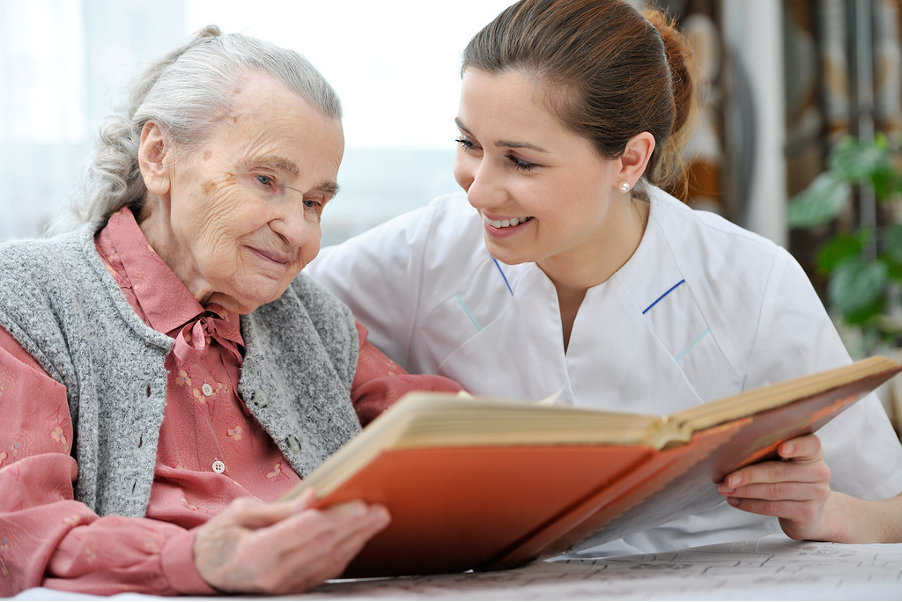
(505, 223)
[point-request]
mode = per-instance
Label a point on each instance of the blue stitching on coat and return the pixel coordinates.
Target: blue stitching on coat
(680, 355)
(462, 304)
(497, 265)
(664, 295)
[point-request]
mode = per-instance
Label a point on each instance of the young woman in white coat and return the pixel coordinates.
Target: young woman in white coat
(565, 266)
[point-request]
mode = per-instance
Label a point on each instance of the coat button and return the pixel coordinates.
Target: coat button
(293, 444)
(207, 389)
(218, 467)
(259, 398)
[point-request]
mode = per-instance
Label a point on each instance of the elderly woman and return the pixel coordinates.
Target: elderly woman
(167, 359)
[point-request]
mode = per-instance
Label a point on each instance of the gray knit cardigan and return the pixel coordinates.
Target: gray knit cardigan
(58, 300)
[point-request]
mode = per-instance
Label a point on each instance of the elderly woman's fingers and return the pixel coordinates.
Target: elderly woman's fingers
(326, 544)
(289, 555)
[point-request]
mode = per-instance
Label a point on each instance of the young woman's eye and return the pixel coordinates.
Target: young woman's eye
(265, 180)
(465, 144)
(520, 164)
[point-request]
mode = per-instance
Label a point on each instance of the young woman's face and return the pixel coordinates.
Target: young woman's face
(544, 194)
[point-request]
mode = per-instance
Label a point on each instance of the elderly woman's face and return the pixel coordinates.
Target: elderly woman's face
(243, 215)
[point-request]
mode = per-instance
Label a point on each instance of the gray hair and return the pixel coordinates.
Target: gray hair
(185, 92)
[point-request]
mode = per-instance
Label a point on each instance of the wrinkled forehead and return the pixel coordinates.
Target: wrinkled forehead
(266, 118)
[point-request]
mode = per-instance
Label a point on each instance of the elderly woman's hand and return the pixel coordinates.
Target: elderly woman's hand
(283, 547)
(796, 490)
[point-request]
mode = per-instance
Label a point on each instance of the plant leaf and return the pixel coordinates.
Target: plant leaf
(856, 161)
(885, 182)
(894, 242)
(857, 285)
(820, 203)
(839, 248)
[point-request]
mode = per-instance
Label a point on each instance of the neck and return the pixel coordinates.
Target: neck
(155, 224)
(600, 258)
(573, 274)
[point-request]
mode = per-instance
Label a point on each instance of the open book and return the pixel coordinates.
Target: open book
(482, 484)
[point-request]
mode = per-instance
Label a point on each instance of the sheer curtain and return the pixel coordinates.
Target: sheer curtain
(64, 65)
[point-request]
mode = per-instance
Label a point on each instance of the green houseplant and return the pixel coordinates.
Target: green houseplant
(862, 265)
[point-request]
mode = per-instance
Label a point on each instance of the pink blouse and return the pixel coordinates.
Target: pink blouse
(211, 449)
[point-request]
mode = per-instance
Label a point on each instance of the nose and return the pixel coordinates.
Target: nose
(292, 224)
(483, 187)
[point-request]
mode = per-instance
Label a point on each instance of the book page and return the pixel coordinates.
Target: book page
(772, 396)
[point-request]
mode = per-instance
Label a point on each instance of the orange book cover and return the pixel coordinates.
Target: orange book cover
(487, 484)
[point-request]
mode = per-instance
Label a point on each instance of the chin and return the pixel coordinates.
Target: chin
(505, 255)
(241, 305)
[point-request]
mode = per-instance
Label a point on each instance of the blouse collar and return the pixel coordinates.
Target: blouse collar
(158, 295)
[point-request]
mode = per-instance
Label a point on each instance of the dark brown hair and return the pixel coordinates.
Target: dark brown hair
(608, 72)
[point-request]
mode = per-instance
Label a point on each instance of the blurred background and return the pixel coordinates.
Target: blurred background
(800, 106)
(64, 65)
(781, 81)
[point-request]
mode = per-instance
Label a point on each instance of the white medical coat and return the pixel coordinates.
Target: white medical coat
(703, 309)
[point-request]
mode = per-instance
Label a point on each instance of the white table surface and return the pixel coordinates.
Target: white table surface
(773, 568)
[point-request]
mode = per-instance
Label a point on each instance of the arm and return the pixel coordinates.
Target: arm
(797, 490)
(379, 382)
(49, 539)
(856, 456)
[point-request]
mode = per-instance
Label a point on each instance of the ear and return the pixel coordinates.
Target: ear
(635, 157)
(155, 155)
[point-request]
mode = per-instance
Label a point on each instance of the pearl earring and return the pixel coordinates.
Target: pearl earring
(624, 186)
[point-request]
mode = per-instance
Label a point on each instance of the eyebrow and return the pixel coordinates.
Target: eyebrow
(502, 143)
(276, 162)
(279, 163)
(330, 187)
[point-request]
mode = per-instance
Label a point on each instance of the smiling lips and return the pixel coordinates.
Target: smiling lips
(274, 256)
(506, 223)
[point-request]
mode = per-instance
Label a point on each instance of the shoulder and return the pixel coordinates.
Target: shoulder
(330, 317)
(686, 227)
(41, 258)
(710, 249)
(315, 297)
(44, 268)
(429, 229)
(434, 245)
(747, 288)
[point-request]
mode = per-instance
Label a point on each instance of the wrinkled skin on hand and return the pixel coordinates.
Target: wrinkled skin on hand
(283, 547)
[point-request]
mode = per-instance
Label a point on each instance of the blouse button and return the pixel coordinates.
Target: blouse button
(259, 398)
(218, 467)
(293, 443)
(207, 389)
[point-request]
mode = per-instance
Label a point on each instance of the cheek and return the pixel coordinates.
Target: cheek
(223, 207)
(311, 248)
(195, 202)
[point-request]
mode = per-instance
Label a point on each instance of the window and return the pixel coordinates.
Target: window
(395, 64)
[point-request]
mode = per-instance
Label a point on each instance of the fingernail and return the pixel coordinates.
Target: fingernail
(380, 515)
(356, 509)
(788, 449)
(723, 488)
(733, 501)
(733, 481)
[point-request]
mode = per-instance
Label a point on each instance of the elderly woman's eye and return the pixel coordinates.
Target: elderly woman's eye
(311, 204)
(265, 180)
